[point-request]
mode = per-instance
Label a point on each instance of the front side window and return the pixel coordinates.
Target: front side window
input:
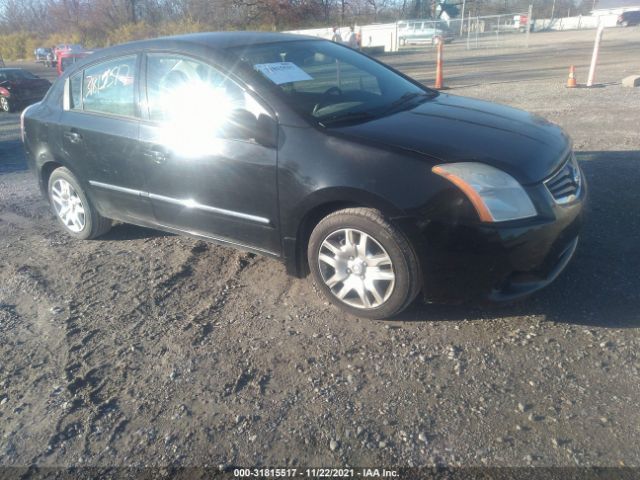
(328, 82)
(109, 87)
(178, 86)
(195, 102)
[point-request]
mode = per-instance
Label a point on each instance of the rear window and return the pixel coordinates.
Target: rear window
(109, 87)
(17, 74)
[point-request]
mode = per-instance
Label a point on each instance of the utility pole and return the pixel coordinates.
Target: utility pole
(462, 16)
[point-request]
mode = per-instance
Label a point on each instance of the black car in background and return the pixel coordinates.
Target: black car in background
(628, 19)
(19, 88)
(310, 152)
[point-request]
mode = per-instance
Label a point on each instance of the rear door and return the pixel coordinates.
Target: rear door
(100, 129)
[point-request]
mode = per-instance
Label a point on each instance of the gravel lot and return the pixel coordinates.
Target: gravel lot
(147, 349)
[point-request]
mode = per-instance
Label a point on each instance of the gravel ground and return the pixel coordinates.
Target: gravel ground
(148, 349)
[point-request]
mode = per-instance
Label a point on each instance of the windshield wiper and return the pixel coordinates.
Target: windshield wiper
(406, 98)
(347, 117)
(368, 115)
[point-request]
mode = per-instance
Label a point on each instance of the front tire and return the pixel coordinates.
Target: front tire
(72, 207)
(363, 264)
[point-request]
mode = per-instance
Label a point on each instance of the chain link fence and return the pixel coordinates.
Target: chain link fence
(478, 32)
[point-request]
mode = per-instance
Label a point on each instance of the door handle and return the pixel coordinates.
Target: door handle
(73, 137)
(157, 156)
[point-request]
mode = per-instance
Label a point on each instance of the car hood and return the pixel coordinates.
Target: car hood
(450, 129)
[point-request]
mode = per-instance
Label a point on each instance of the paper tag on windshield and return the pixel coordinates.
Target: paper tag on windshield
(282, 72)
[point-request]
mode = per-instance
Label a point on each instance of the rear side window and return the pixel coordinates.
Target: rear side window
(76, 92)
(109, 87)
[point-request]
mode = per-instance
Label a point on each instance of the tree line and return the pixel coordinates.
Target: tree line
(27, 24)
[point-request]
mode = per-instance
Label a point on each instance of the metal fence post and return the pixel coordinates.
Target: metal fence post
(397, 44)
(594, 57)
(528, 25)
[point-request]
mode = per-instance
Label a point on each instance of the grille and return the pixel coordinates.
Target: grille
(565, 184)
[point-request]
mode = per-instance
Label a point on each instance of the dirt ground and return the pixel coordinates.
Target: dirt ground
(148, 349)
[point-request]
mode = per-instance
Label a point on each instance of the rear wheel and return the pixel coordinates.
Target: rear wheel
(5, 104)
(73, 209)
(363, 264)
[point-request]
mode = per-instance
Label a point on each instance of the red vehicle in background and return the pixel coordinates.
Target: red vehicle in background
(68, 58)
(66, 47)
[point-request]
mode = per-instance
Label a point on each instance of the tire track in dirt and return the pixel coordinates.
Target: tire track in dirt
(94, 416)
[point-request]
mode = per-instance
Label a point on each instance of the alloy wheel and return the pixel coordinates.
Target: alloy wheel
(68, 205)
(356, 268)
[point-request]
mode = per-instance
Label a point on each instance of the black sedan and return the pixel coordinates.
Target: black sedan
(310, 152)
(19, 88)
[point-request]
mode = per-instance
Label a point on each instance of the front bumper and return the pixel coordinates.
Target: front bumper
(500, 262)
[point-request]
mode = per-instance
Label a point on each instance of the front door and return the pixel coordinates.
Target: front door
(207, 174)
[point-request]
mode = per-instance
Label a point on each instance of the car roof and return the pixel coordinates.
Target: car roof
(214, 40)
(219, 41)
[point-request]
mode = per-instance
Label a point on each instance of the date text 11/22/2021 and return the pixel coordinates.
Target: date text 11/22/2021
(315, 472)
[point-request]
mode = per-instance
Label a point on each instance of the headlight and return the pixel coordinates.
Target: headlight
(496, 195)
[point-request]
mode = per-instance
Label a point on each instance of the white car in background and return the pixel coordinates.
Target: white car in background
(423, 31)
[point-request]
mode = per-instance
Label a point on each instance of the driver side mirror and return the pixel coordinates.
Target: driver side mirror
(243, 125)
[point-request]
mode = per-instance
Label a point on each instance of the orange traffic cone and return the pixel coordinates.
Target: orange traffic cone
(438, 85)
(571, 81)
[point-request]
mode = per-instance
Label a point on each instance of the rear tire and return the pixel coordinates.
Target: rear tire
(363, 264)
(5, 105)
(72, 207)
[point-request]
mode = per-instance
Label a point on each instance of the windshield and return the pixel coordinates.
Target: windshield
(329, 82)
(13, 75)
